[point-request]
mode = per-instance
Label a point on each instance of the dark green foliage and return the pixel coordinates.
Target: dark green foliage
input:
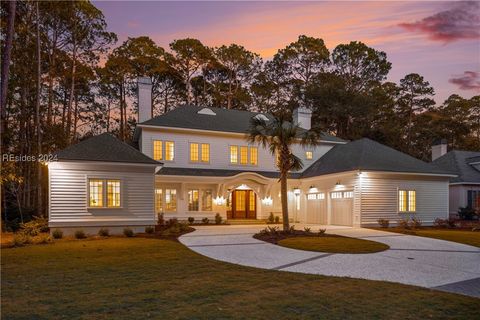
(104, 232)
(149, 230)
(57, 234)
(466, 213)
(127, 232)
(218, 219)
(80, 234)
(205, 220)
(191, 220)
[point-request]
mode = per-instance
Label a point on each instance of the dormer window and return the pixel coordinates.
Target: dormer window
(261, 117)
(207, 111)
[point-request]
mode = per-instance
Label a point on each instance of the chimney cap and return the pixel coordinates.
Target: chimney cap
(144, 80)
(437, 142)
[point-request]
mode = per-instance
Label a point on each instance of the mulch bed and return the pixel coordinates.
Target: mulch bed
(281, 235)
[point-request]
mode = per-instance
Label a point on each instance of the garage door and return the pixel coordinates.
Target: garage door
(316, 208)
(342, 208)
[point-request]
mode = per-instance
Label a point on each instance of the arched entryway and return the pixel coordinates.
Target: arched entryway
(242, 204)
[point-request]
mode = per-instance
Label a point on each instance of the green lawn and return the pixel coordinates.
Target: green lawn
(334, 244)
(461, 236)
(138, 278)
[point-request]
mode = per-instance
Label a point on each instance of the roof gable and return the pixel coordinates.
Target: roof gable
(366, 154)
(104, 147)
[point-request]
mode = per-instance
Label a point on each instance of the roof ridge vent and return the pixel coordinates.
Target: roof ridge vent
(207, 111)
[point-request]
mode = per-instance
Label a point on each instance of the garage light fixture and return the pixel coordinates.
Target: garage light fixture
(296, 191)
(312, 189)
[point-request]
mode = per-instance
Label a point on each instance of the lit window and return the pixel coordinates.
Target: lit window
(194, 152)
(170, 200)
(158, 200)
(253, 156)
(348, 194)
(205, 152)
(312, 196)
(251, 200)
(169, 150)
(193, 200)
(321, 196)
(207, 200)
(113, 193)
(157, 150)
(336, 195)
(309, 155)
(233, 154)
(243, 155)
(96, 192)
(407, 200)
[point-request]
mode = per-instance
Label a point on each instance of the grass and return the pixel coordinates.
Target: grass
(140, 278)
(461, 236)
(334, 244)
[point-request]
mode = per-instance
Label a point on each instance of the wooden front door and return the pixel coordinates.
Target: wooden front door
(243, 205)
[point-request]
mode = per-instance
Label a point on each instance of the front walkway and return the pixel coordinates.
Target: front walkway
(419, 261)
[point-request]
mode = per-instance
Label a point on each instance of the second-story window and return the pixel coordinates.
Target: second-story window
(157, 149)
(253, 156)
(233, 154)
(205, 152)
(194, 152)
(169, 150)
(243, 155)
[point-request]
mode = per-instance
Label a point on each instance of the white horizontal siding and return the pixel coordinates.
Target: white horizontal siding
(379, 197)
(68, 195)
(219, 150)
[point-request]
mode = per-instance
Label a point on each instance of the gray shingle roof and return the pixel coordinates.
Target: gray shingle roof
(104, 147)
(366, 154)
(225, 120)
(458, 162)
(201, 172)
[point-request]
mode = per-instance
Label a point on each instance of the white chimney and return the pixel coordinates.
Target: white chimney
(439, 148)
(144, 99)
(303, 118)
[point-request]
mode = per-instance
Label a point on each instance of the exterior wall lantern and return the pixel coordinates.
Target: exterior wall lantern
(296, 191)
(267, 201)
(219, 201)
(312, 189)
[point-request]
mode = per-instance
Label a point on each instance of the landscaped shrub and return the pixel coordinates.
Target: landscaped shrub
(291, 229)
(149, 230)
(321, 232)
(35, 226)
(80, 234)
(452, 223)
(205, 220)
(57, 234)
(307, 229)
(277, 219)
(440, 223)
(415, 223)
(172, 222)
(272, 230)
(403, 223)
(466, 213)
(20, 239)
(271, 218)
(127, 232)
(160, 220)
(218, 218)
(191, 220)
(104, 232)
(384, 223)
(42, 238)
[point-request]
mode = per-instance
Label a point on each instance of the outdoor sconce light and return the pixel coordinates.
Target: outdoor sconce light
(296, 191)
(267, 201)
(219, 201)
(312, 189)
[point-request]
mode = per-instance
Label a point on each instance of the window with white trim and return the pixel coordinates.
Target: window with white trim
(407, 200)
(100, 190)
(312, 196)
(336, 195)
(170, 199)
(243, 155)
(193, 204)
(207, 200)
(163, 150)
(348, 194)
(158, 200)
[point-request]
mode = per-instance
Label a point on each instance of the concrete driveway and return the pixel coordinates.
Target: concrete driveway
(419, 261)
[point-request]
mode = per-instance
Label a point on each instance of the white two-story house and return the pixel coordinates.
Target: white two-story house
(196, 162)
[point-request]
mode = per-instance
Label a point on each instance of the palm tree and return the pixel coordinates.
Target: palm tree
(278, 135)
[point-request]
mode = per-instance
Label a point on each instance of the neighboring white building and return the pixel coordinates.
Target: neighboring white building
(207, 167)
(465, 187)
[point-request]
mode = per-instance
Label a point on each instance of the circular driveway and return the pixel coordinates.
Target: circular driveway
(419, 261)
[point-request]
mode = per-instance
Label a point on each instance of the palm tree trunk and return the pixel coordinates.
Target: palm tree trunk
(283, 192)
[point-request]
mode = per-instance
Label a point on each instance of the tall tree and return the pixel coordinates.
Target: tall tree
(190, 57)
(278, 136)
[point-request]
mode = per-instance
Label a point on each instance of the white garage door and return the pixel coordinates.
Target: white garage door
(342, 208)
(316, 208)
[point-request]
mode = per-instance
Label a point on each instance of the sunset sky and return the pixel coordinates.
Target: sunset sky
(439, 40)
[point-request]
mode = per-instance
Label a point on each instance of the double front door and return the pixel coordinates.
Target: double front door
(242, 205)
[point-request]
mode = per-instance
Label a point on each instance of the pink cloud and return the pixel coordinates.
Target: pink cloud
(461, 21)
(470, 80)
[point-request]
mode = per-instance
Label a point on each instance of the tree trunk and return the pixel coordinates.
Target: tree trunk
(108, 115)
(72, 90)
(121, 113)
(6, 66)
(37, 120)
(283, 192)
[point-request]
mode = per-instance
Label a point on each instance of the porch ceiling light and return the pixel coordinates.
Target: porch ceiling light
(296, 191)
(267, 201)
